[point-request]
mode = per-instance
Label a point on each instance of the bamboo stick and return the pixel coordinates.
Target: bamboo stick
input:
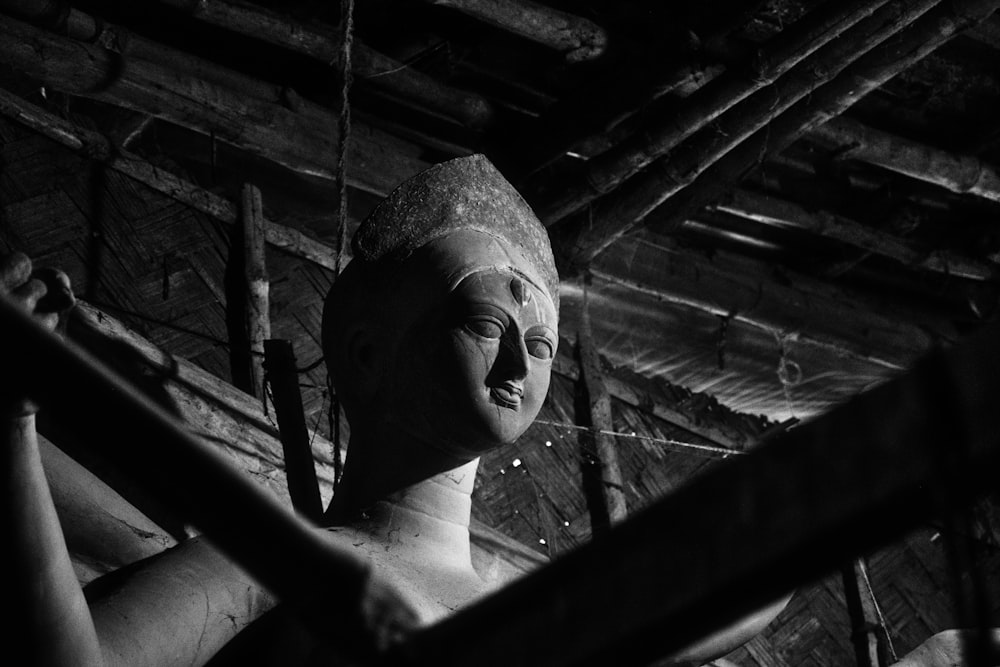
(864, 618)
(962, 174)
(868, 73)
(810, 52)
(607, 504)
(770, 210)
(256, 286)
(577, 38)
(749, 530)
(322, 44)
(97, 146)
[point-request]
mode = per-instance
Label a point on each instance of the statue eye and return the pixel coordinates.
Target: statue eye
(540, 348)
(487, 327)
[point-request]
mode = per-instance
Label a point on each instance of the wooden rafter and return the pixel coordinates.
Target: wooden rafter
(962, 174)
(810, 52)
(771, 210)
(628, 206)
(579, 39)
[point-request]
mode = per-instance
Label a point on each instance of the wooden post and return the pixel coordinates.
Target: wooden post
(258, 318)
(607, 502)
(865, 624)
(300, 471)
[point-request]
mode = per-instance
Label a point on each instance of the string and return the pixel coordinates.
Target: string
(663, 441)
(878, 612)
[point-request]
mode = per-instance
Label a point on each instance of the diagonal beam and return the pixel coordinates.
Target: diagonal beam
(641, 199)
(771, 210)
(962, 174)
(799, 59)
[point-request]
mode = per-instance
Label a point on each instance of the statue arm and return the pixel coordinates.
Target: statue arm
(179, 606)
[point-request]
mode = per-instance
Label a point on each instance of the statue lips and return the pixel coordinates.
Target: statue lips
(508, 394)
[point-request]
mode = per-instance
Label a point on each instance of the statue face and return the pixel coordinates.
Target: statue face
(472, 371)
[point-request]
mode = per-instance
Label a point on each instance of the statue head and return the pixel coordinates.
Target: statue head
(442, 329)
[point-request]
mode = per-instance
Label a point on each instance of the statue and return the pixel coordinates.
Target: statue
(439, 336)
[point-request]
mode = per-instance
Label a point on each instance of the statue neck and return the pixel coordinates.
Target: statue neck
(429, 519)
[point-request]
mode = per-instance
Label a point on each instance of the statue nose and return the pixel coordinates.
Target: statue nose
(513, 358)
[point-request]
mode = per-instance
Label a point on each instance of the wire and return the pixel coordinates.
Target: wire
(663, 441)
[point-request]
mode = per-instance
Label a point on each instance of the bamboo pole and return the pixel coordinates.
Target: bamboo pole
(607, 503)
(577, 38)
(376, 69)
(810, 52)
(256, 287)
(749, 530)
(98, 147)
(865, 627)
(580, 244)
(671, 173)
(962, 174)
(771, 210)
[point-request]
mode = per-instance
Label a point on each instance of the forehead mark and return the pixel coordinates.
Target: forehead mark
(521, 293)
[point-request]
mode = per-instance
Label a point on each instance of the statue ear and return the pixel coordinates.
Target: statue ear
(366, 358)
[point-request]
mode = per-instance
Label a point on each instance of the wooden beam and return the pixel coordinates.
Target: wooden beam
(869, 73)
(256, 287)
(796, 61)
(747, 290)
(99, 147)
(301, 138)
(771, 210)
(577, 38)
(324, 44)
(638, 198)
(962, 174)
(751, 529)
(600, 456)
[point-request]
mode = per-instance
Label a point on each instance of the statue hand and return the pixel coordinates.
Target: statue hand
(47, 295)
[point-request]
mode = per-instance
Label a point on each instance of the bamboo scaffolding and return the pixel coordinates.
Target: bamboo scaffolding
(808, 500)
(962, 174)
(256, 289)
(607, 500)
(770, 210)
(799, 59)
(376, 69)
(577, 38)
(98, 147)
(583, 242)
